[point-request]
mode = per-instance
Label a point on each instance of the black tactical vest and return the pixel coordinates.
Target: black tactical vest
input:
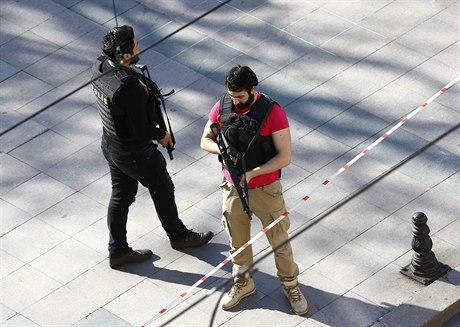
(239, 130)
(114, 118)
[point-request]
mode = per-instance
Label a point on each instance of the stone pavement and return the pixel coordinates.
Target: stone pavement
(345, 71)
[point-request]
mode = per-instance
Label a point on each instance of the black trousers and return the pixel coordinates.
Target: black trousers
(129, 166)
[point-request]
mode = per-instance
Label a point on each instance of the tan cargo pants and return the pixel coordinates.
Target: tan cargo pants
(267, 203)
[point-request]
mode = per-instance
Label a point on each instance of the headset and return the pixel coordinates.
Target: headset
(117, 42)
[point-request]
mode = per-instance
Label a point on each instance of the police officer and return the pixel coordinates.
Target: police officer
(129, 126)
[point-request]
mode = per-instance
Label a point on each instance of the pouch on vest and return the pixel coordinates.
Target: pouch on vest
(243, 133)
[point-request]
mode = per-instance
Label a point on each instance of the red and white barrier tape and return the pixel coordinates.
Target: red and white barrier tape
(285, 214)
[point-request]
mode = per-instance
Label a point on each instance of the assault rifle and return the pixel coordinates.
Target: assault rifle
(226, 153)
(155, 93)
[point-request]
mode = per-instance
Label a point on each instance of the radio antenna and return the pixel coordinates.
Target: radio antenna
(115, 13)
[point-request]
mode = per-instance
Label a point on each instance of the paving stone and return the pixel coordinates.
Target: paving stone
(353, 219)
(320, 198)
(96, 236)
(6, 313)
(450, 186)
(292, 11)
(17, 136)
(355, 43)
(79, 170)
(24, 287)
(449, 232)
(396, 148)
(12, 217)
(199, 181)
(195, 56)
(362, 172)
(433, 122)
(44, 192)
(416, 310)
(266, 312)
(101, 284)
(403, 60)
(205, 91)
(9, 30)
(447, 253)
(99, 190)
(353, 126)
(315, 243)
(35, 89)
(14, 172)
(143, 212)
(356, 264)
(243, 35)
(392, 103)
(168, 81)
(75, 26)
(19, 320)
(90, 42)
(101, 11)
(431, 166)
(449, 56)
(316, 67)
(274, 52)
(35, 239)
(58, 67)
(67, 260)
(391, 294)
(260, 69)
(135, 311)
(402, 17)
(355, 11)
(440, 29)
(316, 108)
(71, 308)
(427, 79)
(26, 49)
(318, 27)
(337, 313)
(393, 191)
(319, 291)
(283, 88)
(82, 128)
(67, 3)
(102, 317)
(170, 41)
(310, 151)
(73, 214)
(185, 12)
(6, 70)
(143, 20)
(9, 265)
(29, 13)
(390, 238)
(189, 139)
(45, 150)
(357, 82)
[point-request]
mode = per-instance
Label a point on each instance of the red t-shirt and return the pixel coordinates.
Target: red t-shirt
(276, 120)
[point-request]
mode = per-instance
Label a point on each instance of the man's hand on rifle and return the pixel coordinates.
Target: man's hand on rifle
(166, 140)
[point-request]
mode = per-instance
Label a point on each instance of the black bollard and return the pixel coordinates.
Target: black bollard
(424, 267)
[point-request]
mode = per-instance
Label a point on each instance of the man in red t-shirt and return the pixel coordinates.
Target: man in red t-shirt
(270, 151)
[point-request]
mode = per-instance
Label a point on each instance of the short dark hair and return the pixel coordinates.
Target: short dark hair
(240, 78)
(122, 37)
